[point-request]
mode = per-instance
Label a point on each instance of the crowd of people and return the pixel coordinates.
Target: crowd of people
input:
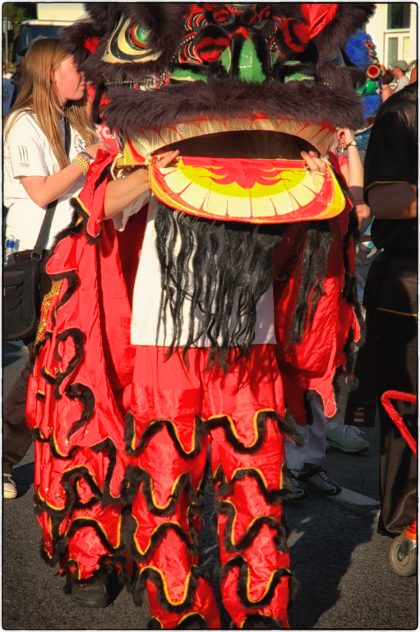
(50, 143)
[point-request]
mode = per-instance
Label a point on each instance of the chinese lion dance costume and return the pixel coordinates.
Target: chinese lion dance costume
(200, 327)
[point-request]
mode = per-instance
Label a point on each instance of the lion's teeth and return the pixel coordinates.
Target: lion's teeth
(151, 140)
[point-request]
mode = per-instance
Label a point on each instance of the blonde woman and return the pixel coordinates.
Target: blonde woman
(37, 171)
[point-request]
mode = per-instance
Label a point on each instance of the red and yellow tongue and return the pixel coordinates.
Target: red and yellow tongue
(248, 190)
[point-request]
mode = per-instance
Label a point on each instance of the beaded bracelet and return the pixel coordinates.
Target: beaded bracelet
(83, 161)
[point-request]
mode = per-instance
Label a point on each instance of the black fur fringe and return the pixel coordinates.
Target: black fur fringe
(315, 257)
(231, 269)
(242, 582)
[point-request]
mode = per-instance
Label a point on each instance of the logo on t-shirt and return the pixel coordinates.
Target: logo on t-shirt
(78, 143)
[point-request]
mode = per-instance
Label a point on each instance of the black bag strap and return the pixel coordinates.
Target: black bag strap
(49, 213)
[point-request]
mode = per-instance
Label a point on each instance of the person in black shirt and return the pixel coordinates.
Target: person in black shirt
(388, 361)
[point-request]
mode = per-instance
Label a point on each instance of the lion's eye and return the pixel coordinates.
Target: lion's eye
(138, 36)
(129, 43)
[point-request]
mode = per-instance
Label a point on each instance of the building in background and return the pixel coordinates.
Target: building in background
(52, 17)
(394, 30)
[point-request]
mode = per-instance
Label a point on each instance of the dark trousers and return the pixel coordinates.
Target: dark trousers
(17, 437)
(388, 361)
(392, 288)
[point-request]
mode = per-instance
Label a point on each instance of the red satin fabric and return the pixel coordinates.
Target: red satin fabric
(318, 15)
(312, 364)
(88, 376)
(90, 461)
(166, 389)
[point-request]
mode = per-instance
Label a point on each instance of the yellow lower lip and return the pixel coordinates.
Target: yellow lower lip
(229, 190)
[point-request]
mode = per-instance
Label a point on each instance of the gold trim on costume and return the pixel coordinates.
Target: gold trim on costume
(248, 586)
(255, 424)
(152, 492)
(45, 308)
(233, 533)
(84, 208)
(248, 581)
(189, 614)
(134, 445)
(104, 533)
(165, 585)
(146, 550)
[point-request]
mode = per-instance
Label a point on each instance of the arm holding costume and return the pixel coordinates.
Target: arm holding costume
(354, 173)
(45, 189)
(121, 193)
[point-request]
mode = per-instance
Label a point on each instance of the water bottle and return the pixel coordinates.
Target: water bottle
(9, 249)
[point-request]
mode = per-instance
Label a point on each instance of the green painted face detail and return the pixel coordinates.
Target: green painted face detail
(298, 76)
(186, 74)
(226, 59)
(250, 68)
(274, 57)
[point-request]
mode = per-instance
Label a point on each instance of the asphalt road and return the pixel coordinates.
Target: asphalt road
(344, 580)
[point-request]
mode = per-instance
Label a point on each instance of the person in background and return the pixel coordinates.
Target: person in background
(413, 72)
(399, 70)
(388, 360)
(351, 168)
(304, 462)
(342, 437)
(6, 72)
(8, 89)
(386, 90)
(37, 171)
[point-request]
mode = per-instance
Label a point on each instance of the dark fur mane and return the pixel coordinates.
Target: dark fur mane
(232, 98)
(350, 17)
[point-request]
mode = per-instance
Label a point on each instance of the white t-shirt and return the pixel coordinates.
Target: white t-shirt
(147, 296)
(28, 153)
(402, 83)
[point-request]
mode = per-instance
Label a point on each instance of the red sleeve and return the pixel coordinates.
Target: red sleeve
(91, 197)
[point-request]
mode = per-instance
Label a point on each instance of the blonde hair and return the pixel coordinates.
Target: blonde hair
(37, 94)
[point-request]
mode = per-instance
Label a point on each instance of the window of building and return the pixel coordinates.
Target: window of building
(406, 48)
(399, 15)
(392, 50)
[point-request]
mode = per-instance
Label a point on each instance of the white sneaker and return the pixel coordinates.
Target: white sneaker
(347, 439)
(9, 487)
